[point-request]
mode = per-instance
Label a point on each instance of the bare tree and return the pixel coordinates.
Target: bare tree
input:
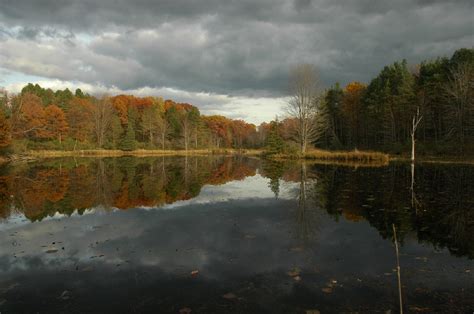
(162, 126)
(305, 89)
(459, 91)
(417, 117)
(150, 122)
(186, 130)
(102, 116)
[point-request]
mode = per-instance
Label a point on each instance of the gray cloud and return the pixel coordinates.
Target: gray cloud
(234, 48)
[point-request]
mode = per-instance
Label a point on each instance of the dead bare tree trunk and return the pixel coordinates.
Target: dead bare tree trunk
(415, 122)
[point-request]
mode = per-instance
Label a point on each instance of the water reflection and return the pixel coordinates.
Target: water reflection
(133, 228)
(437, 204)
(64, 186)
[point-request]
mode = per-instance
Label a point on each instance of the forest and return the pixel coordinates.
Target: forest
(375, 116)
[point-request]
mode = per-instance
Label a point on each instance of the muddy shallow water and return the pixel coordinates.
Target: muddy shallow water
(234, 235)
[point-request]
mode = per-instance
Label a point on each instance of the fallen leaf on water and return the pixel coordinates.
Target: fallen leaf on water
(419, 309)
(296, 249)
(185, 310)
(229, 296)
(194, 272)
(294, 272)
(468, 270)
(327, 290)
(66, 295)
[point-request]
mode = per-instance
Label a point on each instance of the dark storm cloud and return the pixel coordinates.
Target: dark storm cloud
(232, 47)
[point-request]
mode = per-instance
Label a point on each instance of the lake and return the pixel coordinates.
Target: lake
(234, 235)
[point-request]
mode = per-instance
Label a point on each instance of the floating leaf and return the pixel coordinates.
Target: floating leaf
(185, 310)
(229, 296)
(294, 272)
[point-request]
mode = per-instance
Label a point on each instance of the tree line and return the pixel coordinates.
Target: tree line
(378, 116)
(432, 103)
(39, 118)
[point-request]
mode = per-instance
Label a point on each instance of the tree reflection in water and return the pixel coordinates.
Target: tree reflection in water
(435, 203)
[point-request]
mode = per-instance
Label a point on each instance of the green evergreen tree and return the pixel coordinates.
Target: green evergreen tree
(128, 142)
(274, 144)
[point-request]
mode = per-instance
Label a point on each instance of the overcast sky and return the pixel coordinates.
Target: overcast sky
(226, 57)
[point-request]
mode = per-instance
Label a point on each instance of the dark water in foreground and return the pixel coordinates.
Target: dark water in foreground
(233, 235)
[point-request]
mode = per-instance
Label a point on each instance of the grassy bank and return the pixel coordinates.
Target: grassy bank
(137, 153)
(463, 160)
(346, 157)
(316, 155)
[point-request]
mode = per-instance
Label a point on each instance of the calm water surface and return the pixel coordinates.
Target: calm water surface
(234, 235)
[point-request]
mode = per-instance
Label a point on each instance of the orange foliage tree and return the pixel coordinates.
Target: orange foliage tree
(79, 119)
(56, 124)
(5, 136)
(29, 118)
(219, 127)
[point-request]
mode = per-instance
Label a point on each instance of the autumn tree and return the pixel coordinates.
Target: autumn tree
(55, 122)
(28, 117)
(305, 94)
(5, 135)
(80, 119)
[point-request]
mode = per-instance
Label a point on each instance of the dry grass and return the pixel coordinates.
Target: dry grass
(342, 157)
(139, 153)
(348, 156)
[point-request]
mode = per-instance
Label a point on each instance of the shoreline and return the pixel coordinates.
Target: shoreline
(327, 157)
